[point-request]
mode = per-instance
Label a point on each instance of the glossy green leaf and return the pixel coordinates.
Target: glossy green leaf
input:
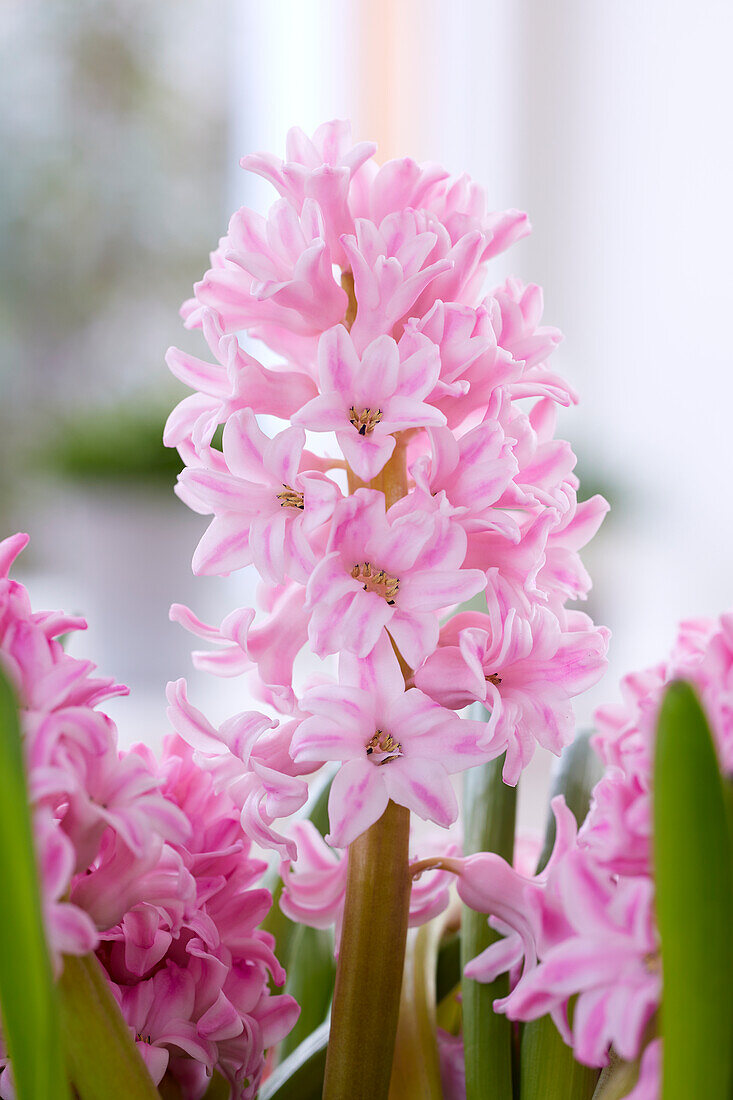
(27, 994)
(311, 976)
(300, 1076)
(694, 901)
(103, 1061)
(548, 1068)
(489, 809)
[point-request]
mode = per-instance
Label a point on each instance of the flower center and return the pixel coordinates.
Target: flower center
(290, 499)
(382, 748)
(365, 420)
(653, 962)
(377, 581)
(494, 679)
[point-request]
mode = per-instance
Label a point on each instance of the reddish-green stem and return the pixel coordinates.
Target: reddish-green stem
(369, 976)
(366, 999)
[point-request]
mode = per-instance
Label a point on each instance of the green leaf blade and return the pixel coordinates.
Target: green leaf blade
(311, 976)
(300, 1075)
(104, 1062)
(548, 1069)
(27, 994)
(694, 899)
(489, 817)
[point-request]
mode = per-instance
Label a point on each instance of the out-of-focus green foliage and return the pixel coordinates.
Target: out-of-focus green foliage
(121, 443)
(693, 859)
(27, 995)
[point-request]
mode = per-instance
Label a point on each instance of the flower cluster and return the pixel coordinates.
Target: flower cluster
(584, 930)
(142, 863)
(418, 470)
(192, 979)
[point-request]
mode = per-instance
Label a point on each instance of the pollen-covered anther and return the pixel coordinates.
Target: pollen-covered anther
(289, 498)
(494, 679)
(383, 745)
(376, 580)
(653, 962)
(365, 420)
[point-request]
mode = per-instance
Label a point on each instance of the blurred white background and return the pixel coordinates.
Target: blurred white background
(608, 123)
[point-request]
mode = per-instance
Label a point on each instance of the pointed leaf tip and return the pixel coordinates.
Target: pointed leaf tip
(694, 900)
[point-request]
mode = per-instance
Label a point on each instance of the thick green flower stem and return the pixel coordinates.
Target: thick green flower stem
(369, 977)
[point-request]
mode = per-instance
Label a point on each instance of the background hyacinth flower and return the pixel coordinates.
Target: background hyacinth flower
(143, 864)
(315, 884)
(582, 941)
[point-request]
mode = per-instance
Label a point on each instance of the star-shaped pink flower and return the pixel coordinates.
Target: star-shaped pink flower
(385, 571)
(525, 667)
(392, 744)
(366, 398)
(265, 509)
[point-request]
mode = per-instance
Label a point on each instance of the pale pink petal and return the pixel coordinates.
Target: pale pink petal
(358, 798)
(366, 455)
(325, 413)
(224, 547)
(423, 787)
(414, 634)
(423, 591)
(338, 363)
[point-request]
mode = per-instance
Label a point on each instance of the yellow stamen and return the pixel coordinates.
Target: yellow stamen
(289, 498)
(365, 420)
(383, 743)
(377, 581)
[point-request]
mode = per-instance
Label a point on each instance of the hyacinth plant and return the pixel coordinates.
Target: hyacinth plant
(373, 432)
